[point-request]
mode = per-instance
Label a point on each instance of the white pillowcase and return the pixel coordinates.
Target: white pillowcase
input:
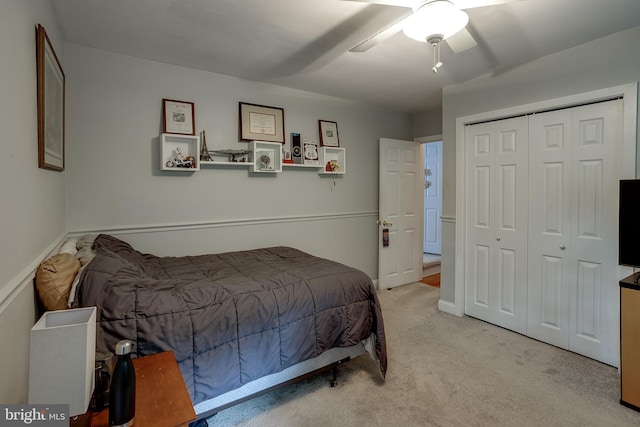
(69, 247)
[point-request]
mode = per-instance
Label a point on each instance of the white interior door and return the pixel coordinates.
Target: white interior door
(496, 221)
(400, 210)
(432, 197)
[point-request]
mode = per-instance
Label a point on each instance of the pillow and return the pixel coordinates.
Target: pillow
(69, 247)
(85, 248)
(74, 287)
(54, 278)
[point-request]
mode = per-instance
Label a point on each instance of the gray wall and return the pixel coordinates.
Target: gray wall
(115, 182)
(607, 62)
(427, 123)
(32, 210)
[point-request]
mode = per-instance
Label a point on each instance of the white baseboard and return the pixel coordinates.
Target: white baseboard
(448, 307)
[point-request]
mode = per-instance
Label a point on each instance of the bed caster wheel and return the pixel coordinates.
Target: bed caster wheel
(334, 383)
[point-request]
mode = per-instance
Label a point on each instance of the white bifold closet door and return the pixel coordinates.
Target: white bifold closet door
(542, 226)
(575, 157)
(496, 235)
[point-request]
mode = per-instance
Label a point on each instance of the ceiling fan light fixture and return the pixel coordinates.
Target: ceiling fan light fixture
(437, 17)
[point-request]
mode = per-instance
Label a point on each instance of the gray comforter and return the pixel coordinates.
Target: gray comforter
(231, 317)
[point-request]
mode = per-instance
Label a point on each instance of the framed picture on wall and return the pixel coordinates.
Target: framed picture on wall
(50, 83)
(178, 117)
(328, 133)
(310, 151)
(262, 123)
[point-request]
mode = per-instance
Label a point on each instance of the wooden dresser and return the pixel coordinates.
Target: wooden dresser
(630, 343)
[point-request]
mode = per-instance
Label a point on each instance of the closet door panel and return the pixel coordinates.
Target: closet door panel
(596, 156)
(479, 222)
(549, 207)
(497, 222)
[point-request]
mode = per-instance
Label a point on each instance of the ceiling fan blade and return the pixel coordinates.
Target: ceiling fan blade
(461, 41)
(399, 3)
(378, 37)
(470, 4)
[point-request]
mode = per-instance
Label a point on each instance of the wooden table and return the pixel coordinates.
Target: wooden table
(162, 400)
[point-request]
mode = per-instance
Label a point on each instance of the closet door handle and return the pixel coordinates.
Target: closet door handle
(498, 238)
(562, 247)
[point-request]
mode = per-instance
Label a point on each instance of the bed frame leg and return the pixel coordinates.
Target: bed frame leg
(334, 376)
(199, 423)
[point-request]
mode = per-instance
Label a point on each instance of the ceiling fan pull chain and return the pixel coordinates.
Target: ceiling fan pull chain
(436, 56)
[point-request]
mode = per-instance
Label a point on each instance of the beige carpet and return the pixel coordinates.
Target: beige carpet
(447, 371)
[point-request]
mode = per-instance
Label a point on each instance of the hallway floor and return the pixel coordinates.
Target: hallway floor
(430, 264)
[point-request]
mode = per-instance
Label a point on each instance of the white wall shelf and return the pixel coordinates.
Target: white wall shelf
(189, 148)
(179, 153)
(338, 156)
(225, 164)
(301, 166)
(266, 157)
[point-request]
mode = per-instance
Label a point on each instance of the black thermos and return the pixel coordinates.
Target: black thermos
(122, 406)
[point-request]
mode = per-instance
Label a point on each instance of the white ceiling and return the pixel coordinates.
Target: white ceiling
(304, 44)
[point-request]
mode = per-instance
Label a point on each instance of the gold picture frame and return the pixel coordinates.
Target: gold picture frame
(261, 123)
(51, 98)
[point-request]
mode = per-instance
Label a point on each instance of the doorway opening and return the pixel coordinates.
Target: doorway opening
(432, 193)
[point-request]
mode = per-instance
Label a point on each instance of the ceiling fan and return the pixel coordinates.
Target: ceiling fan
(432, 21)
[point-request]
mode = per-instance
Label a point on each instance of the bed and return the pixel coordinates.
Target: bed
(239, 323)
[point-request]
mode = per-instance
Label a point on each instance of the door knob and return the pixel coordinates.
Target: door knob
(385, 223)
(562, 247)
(498, 238)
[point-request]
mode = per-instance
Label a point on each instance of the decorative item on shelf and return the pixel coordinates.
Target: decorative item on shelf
(287, 157)
(204, 152)
(51, 88)
(332, 166)
(179, 152)
(178, 117)
(259, 122)
(266, 156)
(233, 156)
(264, 159)
(62, 359)
(328, 133)
(296, 148)
(310, 152)
(333, 160)
(181, 161)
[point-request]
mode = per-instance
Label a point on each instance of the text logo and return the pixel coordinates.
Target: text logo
(34, 415)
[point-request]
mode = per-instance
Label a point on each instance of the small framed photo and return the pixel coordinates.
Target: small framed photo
(260, 122)
(178, 117)
(265, 159)
(310, 151)
(328, 133)
(50, 79)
